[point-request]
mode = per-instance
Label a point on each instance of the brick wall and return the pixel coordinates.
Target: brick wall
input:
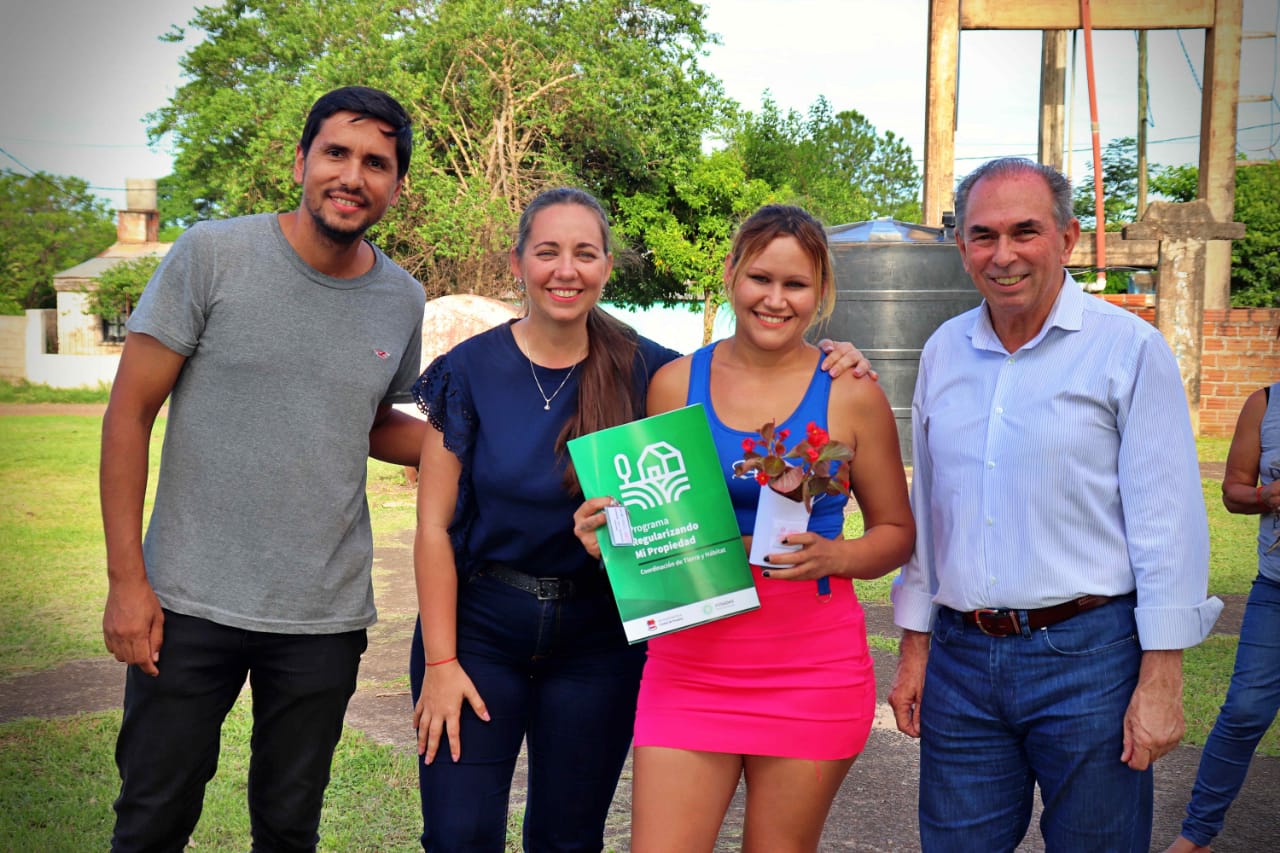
(1241, 355)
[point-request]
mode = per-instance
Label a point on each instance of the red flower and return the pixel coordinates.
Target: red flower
(822, 464)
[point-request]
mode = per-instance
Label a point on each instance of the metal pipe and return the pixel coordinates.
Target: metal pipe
(1100, 222)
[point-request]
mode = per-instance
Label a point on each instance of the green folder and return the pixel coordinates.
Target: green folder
(686, 564)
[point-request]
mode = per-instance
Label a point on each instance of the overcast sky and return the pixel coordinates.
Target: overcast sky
(79, 78)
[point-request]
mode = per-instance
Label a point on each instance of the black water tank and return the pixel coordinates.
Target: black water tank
(896, 282)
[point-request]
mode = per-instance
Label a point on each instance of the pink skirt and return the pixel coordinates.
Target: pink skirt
(793, 679)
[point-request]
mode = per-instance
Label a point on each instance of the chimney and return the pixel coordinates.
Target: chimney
(140, 221)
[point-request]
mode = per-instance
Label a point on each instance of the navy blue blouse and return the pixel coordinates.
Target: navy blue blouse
(512, 505)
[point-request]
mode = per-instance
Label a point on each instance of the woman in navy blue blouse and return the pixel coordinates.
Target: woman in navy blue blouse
(519, 637)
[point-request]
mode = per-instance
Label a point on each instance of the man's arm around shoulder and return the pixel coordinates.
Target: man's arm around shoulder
(396, 437)
(132, 621)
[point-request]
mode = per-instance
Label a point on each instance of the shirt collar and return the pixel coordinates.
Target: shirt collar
(1067, 314)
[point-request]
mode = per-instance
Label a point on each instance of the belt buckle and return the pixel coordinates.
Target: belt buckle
(1012, 615)
(549, 589)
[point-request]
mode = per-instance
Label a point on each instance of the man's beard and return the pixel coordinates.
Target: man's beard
(336, 236)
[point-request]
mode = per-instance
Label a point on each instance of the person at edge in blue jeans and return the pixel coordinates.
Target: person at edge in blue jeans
(281, 341)
(1061, 558)
(519, 637)
(1249, 486)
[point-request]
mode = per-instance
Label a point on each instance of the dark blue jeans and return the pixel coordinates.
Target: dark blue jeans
(1001, 714)
(1252, 701)
(167, 750)
(557, 673)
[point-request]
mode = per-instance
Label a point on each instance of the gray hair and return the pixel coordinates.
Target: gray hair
(561, 195)
(1058, 185)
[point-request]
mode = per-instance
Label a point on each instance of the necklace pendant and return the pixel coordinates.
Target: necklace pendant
(547, 407)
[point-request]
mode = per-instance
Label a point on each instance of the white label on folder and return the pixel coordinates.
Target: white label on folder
(619, 522)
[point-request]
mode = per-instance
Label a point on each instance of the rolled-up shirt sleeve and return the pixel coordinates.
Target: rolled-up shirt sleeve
(1166, 523)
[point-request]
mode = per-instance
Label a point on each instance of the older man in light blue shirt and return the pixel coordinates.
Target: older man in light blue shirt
(1061, 560)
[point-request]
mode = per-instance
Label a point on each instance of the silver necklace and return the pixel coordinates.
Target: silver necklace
(545, 399)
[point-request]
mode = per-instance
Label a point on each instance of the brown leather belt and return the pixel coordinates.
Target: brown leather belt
(997, 622)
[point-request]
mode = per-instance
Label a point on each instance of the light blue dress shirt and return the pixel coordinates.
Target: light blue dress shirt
(1063, 469)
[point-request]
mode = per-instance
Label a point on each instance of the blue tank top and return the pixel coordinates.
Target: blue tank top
(828, 511)
(1268, 470)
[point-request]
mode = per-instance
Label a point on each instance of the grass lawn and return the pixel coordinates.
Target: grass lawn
(57, 778)
(27, 392)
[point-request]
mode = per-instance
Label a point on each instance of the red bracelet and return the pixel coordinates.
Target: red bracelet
(443, 661)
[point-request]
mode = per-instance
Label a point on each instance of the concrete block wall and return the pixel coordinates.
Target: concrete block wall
(13, 348)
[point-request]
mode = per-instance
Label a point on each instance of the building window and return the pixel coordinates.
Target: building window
(113, 329)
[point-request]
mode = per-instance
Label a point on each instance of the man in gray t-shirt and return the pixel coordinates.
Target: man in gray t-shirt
(281, 342)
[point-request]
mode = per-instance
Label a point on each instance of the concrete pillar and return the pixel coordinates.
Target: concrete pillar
(1184, 231)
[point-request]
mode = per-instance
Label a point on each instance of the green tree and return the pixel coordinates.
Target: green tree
(47, 224)
(120, 286)
(836, 165)
(1119, 187)
(687, 233)
(1255, 260)
(510, 96)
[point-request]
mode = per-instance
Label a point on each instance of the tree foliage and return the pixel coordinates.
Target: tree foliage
(120, 286)
(834, 164)
(510, 95)
(687, 231)
(47, 224)
(1119, 187)
(1255, 260)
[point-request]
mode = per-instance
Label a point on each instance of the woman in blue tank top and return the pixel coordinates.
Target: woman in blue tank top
(783, 695)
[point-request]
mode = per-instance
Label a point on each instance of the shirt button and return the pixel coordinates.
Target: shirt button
(993, 581)
(1010, 361)
(989, 522)
(991, 464)
(999, 410)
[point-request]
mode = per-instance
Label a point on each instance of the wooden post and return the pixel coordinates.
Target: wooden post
(1053, 88)
(943, 64)
(1184, 231)
(1221, 91)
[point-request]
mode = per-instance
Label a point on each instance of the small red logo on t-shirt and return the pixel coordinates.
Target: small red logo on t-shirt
(382, 354)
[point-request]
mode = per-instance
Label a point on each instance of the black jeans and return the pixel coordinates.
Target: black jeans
(169, 739)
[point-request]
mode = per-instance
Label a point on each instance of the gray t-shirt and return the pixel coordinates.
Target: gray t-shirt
(260, 518)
